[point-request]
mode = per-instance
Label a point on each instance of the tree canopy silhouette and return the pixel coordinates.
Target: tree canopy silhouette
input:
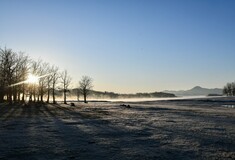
(85, 86)
(14, 71)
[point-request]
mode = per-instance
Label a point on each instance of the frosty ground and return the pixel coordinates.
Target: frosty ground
(172, 129)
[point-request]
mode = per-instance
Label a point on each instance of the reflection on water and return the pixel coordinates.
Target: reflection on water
(229, 106)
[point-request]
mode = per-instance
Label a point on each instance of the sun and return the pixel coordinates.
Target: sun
(32, 79)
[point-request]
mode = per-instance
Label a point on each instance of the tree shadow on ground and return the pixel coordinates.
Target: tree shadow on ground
(43, 131)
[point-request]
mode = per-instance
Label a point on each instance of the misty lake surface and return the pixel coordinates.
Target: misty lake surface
(151, 99)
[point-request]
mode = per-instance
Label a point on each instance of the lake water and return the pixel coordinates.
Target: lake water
(138, 99)
(149, 99)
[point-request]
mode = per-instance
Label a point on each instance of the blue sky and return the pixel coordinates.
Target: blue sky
(127, 45)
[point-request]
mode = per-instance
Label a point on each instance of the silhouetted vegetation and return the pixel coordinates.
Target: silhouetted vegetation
(14, 71)
(112, 95)
(55, 77)
(229, 89)
(66, 80)
(85, 86)
(14, 86)
(213, 95)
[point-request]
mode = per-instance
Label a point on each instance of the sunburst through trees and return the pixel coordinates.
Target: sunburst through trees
(22, 77)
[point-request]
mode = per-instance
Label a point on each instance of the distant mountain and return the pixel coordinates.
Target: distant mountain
(197, 91)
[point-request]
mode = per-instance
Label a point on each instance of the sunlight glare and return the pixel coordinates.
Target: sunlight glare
(32, 79)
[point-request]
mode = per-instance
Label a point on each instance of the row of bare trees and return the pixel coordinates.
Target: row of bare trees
(229, 89)
(15, 69)
(48, 80)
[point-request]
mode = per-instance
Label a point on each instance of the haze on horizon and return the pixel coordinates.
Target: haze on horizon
(127, 46)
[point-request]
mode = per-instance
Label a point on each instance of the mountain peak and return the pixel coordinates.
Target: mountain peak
(197, 91)
(197, 87)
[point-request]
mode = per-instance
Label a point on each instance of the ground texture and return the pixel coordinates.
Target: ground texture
(180, 129)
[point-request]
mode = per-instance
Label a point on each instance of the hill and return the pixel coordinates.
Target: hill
(197, 91)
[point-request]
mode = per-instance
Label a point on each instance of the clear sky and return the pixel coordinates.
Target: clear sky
(127, 45)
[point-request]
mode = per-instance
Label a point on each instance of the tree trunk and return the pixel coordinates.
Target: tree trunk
(41, 97)
(85, 98)
(23, 93)
(1, 97)
(2, 93)
(34, 94)
(9, 98)
(53, 93)
(14, 94)
(30, 97)
(41, 94)
(65, 97)
(53, 96)
(48, 94)
(18, 96)
(38, 97)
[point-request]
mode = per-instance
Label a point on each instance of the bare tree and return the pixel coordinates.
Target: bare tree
(8, 68)
(229, 89)
(49, 79)
(66, 80)
(35, 70)
(225, 91)
(85, 86)
(44, 70)
(55, 76)
(2, 75)
(20, 75)
(233, 88)
(13, 71)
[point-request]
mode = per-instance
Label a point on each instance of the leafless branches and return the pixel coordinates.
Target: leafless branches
(65, 80)
(14, 71)
(85, 85)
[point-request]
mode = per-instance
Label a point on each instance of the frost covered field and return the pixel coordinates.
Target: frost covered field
(176, 129)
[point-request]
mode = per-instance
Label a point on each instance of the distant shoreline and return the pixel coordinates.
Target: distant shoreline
(148, 99)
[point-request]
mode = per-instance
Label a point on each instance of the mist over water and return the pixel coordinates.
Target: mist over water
(153, 99)
(136, 99)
